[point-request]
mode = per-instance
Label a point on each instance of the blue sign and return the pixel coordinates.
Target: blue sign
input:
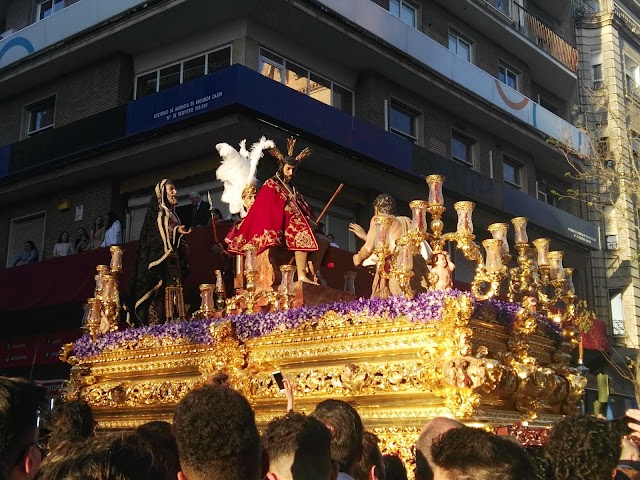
(242, 86)
(16, 42)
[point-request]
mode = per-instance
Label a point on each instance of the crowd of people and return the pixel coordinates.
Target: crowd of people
(100, 235)
(214, 437)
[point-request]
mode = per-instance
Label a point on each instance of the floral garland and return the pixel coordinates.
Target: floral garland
(424, 307)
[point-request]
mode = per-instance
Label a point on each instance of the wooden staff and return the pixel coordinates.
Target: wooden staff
(213, 220)
(326, 207)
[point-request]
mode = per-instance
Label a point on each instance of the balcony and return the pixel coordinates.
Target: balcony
(529, 26)
(65, 23)
(552, 61)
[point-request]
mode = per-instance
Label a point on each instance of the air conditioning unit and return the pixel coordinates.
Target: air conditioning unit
(11, 31)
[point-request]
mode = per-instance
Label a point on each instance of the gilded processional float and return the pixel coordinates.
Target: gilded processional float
(400, 360)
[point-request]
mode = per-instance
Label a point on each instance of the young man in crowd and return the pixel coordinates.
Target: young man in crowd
(298, 447)
(371, 465)
(583, 447)
(430, 432)
(466, 452)
(346, 434)
(217, 437)
(20, 402)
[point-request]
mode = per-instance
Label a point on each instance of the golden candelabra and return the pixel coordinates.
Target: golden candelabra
(538, 281)
(282, 299)
(103, 309)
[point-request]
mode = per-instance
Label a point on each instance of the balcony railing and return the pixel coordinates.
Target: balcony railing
(626, 20)
(534, 30)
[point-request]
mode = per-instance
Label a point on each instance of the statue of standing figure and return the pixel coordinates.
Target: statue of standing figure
(383, 284)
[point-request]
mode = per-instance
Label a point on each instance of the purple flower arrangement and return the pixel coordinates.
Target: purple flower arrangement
(424, 307)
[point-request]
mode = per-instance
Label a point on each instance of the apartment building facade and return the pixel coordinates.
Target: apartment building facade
(607, 37)
(100, 101)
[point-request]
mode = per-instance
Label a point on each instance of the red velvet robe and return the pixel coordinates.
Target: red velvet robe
(277, 218)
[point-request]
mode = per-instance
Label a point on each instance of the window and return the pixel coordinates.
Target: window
(23, 229)
(631, 76)
(543, 192)
(40, 116)
(543, 102)
(305, 81)
(610, 227)
(48, 7)
(402, 121)
(617, 317)
(508, 75)
(405, 12)
(459, 46)
(512, 172)
(183, 71)
(596, 70)
(462, 148)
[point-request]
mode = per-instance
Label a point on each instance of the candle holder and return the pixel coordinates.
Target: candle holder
(250, 298)
(285, 290)
(492, 272)
(116, 258)
(499, 232)
(402, 264)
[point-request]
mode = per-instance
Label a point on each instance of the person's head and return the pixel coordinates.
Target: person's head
(431, 430)
(346, 432)
(217, 214)
(330, 237)
(371, 465)
(166, 195)
(82, 233)
(70, 421)
(630, 451)
(298, 447)
(160, 436)
(465, 452)
(384, 204)
(98, 222)
(111, 218)
(194, 198)
(288, 164)
(217, 436)
(249, 195)
(394, 469)
(64, 237)
(119, 456)
(583, 447)
(29, 246)
(20, 402)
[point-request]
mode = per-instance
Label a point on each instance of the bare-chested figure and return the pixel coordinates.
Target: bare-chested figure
(385, 205)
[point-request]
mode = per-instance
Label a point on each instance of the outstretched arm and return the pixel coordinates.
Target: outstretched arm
(358, 231)
(367, 249)
(288, 392)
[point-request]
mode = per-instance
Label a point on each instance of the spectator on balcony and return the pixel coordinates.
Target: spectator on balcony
(332, 240)
(200, 214)
(96, 234)
(29, 255)
(83, 243)
(113, 234)
(63, 247)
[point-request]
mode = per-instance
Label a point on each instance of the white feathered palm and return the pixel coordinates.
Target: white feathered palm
(237, 170)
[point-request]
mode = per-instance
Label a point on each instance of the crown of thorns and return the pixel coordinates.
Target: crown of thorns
(289, 158)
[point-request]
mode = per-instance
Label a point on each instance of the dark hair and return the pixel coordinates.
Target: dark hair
(583, 447)
(64, 232)
(394, 469)
(120, 456)
(70, 421)
(111, 218)
(305, 440)
(371, 457)
(471, 453)
(216, 435)
(385, 204)
(430, 432)
(217, 212)
(346, 430)
(20, 402)
(98, 217)
(32, 245)
(160, 436)
(83, 232)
